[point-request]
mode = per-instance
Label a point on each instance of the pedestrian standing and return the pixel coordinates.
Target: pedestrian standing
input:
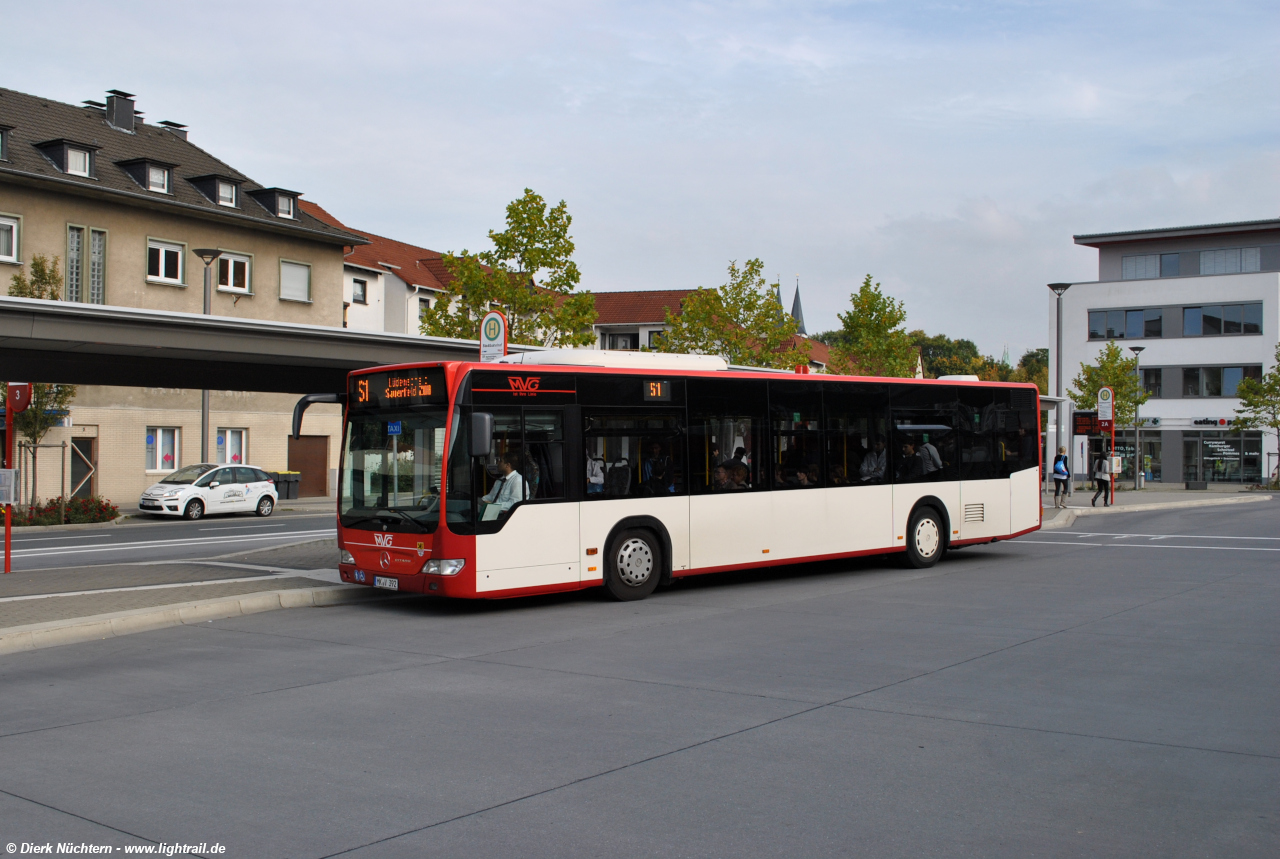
(1102, 477)
(1060, 477)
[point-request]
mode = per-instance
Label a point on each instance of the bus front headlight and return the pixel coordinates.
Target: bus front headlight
(345, 557)
(449, 567)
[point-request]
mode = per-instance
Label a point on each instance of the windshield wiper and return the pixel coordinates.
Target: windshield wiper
(377, 517)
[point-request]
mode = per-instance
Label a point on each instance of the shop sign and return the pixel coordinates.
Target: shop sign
(1210, 422)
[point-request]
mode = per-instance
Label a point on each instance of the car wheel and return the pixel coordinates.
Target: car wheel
(194, 511)
(634, 565)
(925, 539)
(265, 506)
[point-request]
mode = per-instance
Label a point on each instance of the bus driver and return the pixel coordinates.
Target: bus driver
(509, 489)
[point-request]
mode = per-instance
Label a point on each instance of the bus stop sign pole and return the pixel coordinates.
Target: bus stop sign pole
(17, 398)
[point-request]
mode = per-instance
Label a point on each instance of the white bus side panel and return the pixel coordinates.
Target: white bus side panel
(537, 546)
(905, 496)
(810, 522)
(599, 516)
(730, 528)
(1024, 500)
(984, 509)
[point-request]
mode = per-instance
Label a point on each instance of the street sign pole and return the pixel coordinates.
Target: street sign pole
(1107, 420)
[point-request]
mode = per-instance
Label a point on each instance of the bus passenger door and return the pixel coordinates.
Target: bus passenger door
(528, 529)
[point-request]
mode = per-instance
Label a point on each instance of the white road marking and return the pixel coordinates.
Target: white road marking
(42, 539)
(230, 527)
(1175, 536)
(1150, 546)
(193, 541)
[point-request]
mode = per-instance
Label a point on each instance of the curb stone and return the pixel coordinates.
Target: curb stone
(95, 627)
(1070, 516)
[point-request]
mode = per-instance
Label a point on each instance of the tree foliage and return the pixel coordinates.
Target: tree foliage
(1260, 401)
(530, 275)
(871, 340)
(45, 280)
(1113, 370)
(741, 321)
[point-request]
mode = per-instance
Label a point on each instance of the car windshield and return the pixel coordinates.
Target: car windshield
(391, 468)
(187, 474)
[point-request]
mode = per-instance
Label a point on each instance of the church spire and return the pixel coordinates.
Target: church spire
(797, 312)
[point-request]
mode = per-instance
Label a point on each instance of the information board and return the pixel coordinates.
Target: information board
(8, 486)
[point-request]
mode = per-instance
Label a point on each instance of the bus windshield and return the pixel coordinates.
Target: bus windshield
(391, 469)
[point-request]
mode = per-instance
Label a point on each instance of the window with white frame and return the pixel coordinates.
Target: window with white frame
(158, 179)
(164, 262)
(359, 291)
(424, 304)
(295, 281)
(233, 273)
(162, 448)
(231, 446)
(284, 206)
(77, 161)
(226, 193)
(8, 240)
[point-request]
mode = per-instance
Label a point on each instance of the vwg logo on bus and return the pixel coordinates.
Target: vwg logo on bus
(382, 539)
(524, 386)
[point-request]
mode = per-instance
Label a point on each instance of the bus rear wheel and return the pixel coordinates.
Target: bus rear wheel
(634, 565)
(926, 539)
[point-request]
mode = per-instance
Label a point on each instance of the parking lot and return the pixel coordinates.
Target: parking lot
(1072, 693)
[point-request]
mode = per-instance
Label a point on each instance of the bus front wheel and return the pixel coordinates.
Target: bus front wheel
(635, 565)
(926, 539)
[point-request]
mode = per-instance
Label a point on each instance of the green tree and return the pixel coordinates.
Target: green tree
(942, 356)
(1113, 370)
(741, 321)
(49, 402)
(530, 275)
(1260, 402)
(45, 280)
(871, 340)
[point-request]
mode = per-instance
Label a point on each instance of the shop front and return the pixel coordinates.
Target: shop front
(1222, 456)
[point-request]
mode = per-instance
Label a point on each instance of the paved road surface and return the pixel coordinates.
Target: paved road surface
(164, 539)
(1110, 692)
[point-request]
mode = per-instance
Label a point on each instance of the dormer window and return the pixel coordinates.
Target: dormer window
(4, 143)
(158, 179)
(226, 193)
(78, 161)
(284, 206)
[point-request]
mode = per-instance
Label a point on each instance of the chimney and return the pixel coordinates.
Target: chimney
(120, 109)
(175, 127)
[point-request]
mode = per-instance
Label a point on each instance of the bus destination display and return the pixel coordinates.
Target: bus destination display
(399, 388)
(657, 391)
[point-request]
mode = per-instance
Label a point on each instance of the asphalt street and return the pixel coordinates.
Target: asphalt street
(156, 539)
(1100, 691)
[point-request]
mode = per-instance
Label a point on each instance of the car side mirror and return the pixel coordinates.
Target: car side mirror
(214, 483)
(481, 433)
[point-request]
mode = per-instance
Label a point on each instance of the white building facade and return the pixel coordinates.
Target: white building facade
(1203, 305)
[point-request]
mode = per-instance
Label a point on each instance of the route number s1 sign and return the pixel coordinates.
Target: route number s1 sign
(1106, 407)
(493, 337)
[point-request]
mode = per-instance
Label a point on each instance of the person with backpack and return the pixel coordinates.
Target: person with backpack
(1061, 474)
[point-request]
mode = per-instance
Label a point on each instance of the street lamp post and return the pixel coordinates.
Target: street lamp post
(1058, 289)
(208, 255)
(1137, 430)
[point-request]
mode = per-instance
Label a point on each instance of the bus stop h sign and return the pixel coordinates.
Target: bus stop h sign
(493, 337)
(1106, 408)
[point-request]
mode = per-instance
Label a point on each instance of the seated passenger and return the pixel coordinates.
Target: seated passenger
(837, 476)
(658, 472)
(930, 459)
(874, 463)
(910, 466)
(740, 477)
(720, 479)
(507, 491)
(813, 475)
(595, 475)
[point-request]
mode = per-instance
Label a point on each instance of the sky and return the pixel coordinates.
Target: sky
(949, 149)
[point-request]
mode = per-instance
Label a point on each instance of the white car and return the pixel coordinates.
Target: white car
(194, 490)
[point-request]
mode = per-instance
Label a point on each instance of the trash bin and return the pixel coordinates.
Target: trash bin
(291, 484)
(1142, 480)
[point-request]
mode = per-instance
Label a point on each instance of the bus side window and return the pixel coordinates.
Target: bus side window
(975, 419)
(924, 437)
(544, 453)
(728, 447)
(856, 418)
(633, 454)
(796, 423)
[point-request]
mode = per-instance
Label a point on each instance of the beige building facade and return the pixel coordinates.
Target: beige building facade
(123, 206)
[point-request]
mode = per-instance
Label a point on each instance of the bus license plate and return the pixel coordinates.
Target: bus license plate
(384, 582)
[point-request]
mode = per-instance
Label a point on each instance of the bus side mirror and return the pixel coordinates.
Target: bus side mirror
(481, 433)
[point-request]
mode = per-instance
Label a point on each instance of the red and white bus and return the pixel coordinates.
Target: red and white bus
(625, 470)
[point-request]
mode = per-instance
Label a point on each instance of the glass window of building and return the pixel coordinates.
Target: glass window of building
(226, 193)
(359, 291)
(1153, 322)
(1140, 267)
(233, 273)
(295, 281)
(162, 448)
(1152, 378)
(164, 262)
(1169, 265)
(158, 179)
(78, 162)
(1252, 316)
(1190, 381)
(231, 447)
(1191, 324)
(8, 240)
(1134, 324)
